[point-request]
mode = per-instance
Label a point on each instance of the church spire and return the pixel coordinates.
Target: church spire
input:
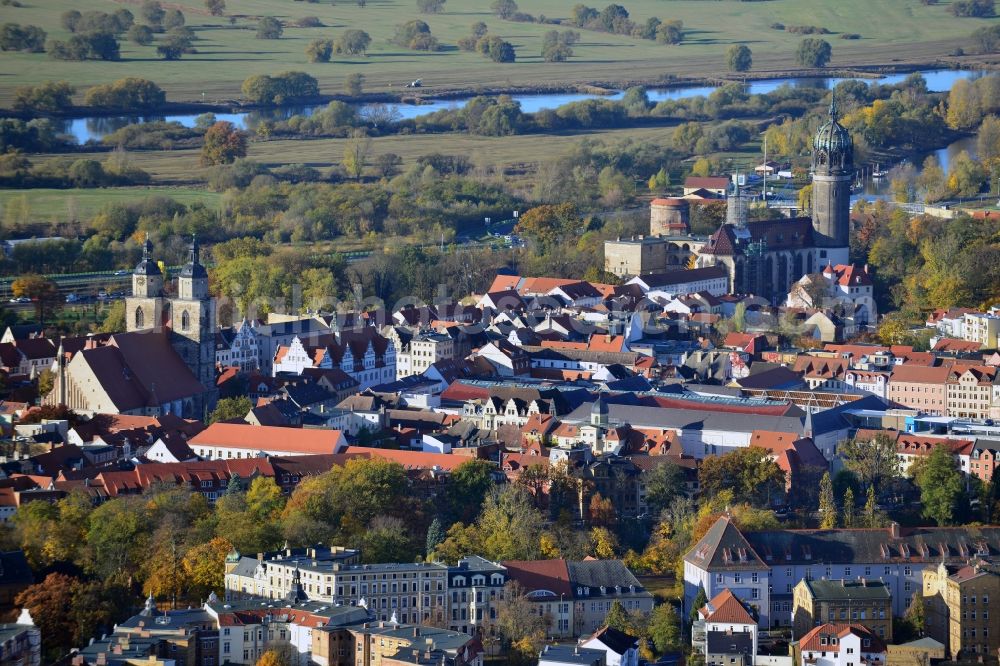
(834, 115)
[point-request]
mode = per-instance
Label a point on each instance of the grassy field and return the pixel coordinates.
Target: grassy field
(181, 166)
(892, 31)
(45, 205)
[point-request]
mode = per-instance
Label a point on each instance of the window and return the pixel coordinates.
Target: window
(753, 577)
(139, 318)
(185, 320)
(737, 578)
(718, 578)
(907, 571)
(847, 572)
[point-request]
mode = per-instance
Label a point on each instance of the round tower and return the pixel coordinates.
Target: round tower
(833, 172)
(669, 217)
(737, 205)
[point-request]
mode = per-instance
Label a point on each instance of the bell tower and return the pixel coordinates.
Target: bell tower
(192, 324)
(144, 308)
(833, 172)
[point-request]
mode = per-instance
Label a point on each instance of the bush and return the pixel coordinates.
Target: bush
(557, 47)
(173, 18)
(216, 7)
(430, 6)
(319, 50)
(496, 49)
(128, 94)
(269, 28)
(152, 12)
(352, 42)
(353, 84)
(671, 32)
(37, 135)
(176, 43)
(90, 46)
(777, 26)
(850, 35)
(740, 58)
(807, 30)
(14, 37)
(158, 135)
(309, 22)
(48, 97)
(972, 8)
(141, 35)
(416, 35)
(987, 40)
(813, 52)
(280, 88)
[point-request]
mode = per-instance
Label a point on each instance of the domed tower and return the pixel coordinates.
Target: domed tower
(833, 172)
(144, 309)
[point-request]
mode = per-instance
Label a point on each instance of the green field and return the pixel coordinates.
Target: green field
(179, 167)
(45, 205)
(892, 31)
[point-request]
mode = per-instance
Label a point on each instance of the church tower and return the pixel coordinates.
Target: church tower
(144, 309)
(833, 172)
(192, 326)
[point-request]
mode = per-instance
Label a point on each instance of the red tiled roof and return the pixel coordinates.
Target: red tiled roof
(541, 575)
(726, 607)
(268, 438)
(953, 345)
(811, 641)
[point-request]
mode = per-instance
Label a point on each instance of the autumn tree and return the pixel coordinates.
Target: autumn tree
(850, 508)
(548, 224)
(354, 83)
(224, 143)
(874, 460)
(40, 290)
(521, 629)
(749, 472)
(204, 567)
(50, 603)
(827, 504)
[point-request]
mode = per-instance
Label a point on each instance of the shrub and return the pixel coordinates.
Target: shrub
(141, 35)
(48, 97)
(319, 50)
(850, 35)
(176, 43)
(216, 7)
(496, 49)
(309, 22)
(90, 46)
(739, 58)
(269, 28)
(430, 6)
(152, 12)
(352, 42)
(14, 37)
(671, 32)
(280, 88)
(558, 47)
(813, 52)
(972, 8)
(416, 35)
(173, 18)
(128, 94)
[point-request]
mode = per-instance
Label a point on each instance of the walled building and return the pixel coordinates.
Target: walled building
(958, 611)
(864, 602)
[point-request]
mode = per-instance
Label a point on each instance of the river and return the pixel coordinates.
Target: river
(94, 128)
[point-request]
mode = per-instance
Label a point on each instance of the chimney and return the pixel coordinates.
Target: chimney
(894, 529)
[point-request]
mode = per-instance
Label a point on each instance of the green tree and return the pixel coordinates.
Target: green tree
(740, 58)
(504, 9)
(216, 7)
(699, 602)
(435, 535)
(750, 473)
(874, 461)
(827, 504)
(152, 12)
(665, 482)
(223, 144)
(617, 618)
(353, 42)
(871, 517)
(470, 482)
(813, 52)
(47, 97)
(269, 28)
(387, 540)
(173, 18)
(509, 524)
(356, 153)
(940, 483)
(140, 34)
(850, 508)
(665, 628)
(319, 50)
(353, 84)
(430, 6)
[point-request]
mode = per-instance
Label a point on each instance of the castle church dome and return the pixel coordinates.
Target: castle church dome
(833, 144)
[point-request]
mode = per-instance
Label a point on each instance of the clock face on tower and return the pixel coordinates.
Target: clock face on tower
(140, 282)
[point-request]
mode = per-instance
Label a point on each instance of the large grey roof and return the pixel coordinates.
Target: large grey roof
(721, 642)
(919, 545)
(724, 548)
(854, 590)
(689, 419)
(608, 574)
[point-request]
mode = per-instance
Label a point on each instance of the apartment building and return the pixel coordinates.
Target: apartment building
(969, 391)
(859, 601)
(958, 611)
(920, 387)
(982, 328)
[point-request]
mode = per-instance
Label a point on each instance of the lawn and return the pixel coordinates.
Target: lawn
(891, 30)
(45, 205)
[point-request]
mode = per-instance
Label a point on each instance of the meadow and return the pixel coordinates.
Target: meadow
(892, 32)
(50, 205)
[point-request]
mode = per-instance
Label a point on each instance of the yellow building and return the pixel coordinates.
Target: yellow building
(915, 653)
(957, 601)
